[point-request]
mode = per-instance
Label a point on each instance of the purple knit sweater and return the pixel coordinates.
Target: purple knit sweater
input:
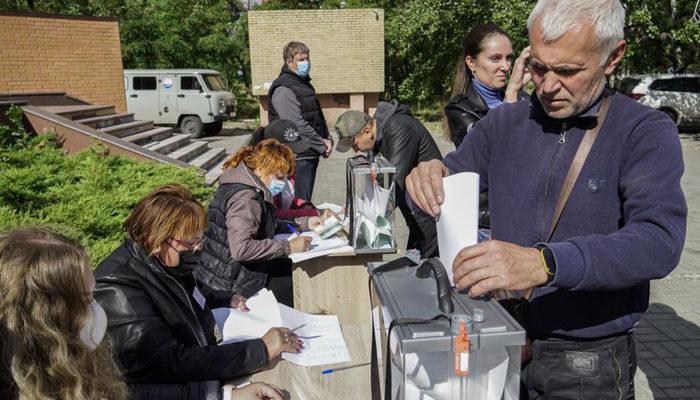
(625, 220)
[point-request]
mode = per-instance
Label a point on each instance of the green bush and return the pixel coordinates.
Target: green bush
(87, 195)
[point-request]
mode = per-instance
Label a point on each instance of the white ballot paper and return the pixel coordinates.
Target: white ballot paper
(321, 334)
(457, 224)
(319, 247)
(322, 337)
(237, 325)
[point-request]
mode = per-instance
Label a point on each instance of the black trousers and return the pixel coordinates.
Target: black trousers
(279, 278)
(422, 232)
(597, 370)
(305, 178)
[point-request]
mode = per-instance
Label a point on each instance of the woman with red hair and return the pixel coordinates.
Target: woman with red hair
(242, 224)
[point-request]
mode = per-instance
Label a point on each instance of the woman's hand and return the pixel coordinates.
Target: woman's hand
(519, 77)
(282, 340)
(328, 213)
(300, 244)
(315, 222)
(238, 301)
(258, 391)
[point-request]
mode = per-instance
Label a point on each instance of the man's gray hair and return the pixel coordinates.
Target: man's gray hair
(557, 17)
(294, 48)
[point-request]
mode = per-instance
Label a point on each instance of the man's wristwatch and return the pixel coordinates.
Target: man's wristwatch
(548, 262)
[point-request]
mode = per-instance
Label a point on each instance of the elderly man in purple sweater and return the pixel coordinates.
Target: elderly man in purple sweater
(623, 224)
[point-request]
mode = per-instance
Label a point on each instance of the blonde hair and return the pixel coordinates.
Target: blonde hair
(269, 156)
(43, 307)
(170, 211)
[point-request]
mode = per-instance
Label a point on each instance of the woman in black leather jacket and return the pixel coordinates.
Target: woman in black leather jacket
(160, 322)
(480, 81)
(480, 85)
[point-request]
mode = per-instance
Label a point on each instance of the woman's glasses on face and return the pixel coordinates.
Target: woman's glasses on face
(193, 244)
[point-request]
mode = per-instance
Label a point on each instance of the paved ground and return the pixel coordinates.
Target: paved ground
(668, 338)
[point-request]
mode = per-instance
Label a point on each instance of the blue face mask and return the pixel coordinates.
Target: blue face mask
(276, 186)
(303, 68)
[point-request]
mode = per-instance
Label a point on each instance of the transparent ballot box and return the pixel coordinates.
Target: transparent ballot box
(371, 202)
(423, 358)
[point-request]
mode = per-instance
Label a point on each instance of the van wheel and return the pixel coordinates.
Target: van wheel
(213, 128)
(192, 126)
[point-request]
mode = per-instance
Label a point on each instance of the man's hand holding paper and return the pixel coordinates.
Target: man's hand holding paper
(424, 185)
(493, 264)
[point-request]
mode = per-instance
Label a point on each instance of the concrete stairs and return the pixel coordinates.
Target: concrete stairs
(162, 140)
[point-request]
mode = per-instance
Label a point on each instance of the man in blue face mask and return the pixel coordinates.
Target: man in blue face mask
(293, 98)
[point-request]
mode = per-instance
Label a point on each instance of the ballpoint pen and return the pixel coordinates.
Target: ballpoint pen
(293, 229)
(332, 370)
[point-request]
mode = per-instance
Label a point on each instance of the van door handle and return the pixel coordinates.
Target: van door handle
(180, 95)
(134, 95)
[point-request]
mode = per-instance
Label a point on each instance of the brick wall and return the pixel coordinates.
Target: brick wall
(347, 47)
(78, 55)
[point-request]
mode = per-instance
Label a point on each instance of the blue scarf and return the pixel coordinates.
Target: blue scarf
(492, 97)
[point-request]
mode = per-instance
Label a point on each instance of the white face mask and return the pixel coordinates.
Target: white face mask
(95, 327)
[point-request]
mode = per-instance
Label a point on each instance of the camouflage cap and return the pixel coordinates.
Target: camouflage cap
(349, 124)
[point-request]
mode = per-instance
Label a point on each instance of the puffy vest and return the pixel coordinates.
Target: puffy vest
(218, 270)
(310, 108)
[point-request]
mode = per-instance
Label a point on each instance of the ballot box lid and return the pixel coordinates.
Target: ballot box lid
(404, 295)
(360, 165)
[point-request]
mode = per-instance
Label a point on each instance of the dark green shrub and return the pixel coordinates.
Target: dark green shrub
(86, 195)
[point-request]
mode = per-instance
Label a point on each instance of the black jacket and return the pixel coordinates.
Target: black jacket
(463, 111)
(219, 271)
(163, 339)
(403, 140)
(310, 108)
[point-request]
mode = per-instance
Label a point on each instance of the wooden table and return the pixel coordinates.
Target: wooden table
(335, 284)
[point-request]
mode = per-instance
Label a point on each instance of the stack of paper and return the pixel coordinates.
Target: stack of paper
(329, 228)
(319, 247)
(321, 334)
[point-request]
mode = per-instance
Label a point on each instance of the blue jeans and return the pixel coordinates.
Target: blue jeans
(305, 177)
(596, 370)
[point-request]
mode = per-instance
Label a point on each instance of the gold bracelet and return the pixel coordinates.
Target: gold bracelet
(544, 263)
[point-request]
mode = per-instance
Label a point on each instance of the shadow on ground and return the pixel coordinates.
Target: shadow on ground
(668, 352)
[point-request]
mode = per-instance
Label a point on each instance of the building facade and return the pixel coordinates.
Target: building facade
(347, 55)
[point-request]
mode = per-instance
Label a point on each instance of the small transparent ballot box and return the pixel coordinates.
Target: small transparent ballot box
(424, 359)
(371, 203)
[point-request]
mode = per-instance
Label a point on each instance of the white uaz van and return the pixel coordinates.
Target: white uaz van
(196, 100)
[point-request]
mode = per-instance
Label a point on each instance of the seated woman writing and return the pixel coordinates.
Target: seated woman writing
(159, 320)
(242, 222)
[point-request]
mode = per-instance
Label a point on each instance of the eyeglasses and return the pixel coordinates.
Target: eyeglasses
(194, 244)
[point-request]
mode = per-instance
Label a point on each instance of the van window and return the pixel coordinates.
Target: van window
(190, 83)
(144, 83)
(214, 83)
(676, 85)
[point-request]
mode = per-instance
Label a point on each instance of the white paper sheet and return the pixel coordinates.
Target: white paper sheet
(319, 247)
(457, 223)
(321, 334)
(330, 206)
(322, 337)
(237, 325)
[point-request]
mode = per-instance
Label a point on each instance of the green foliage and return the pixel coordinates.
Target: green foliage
(423, 37)
(88, 194)
(661, 36)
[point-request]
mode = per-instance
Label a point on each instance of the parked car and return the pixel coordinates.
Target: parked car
(678, 95)
(196, 100)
